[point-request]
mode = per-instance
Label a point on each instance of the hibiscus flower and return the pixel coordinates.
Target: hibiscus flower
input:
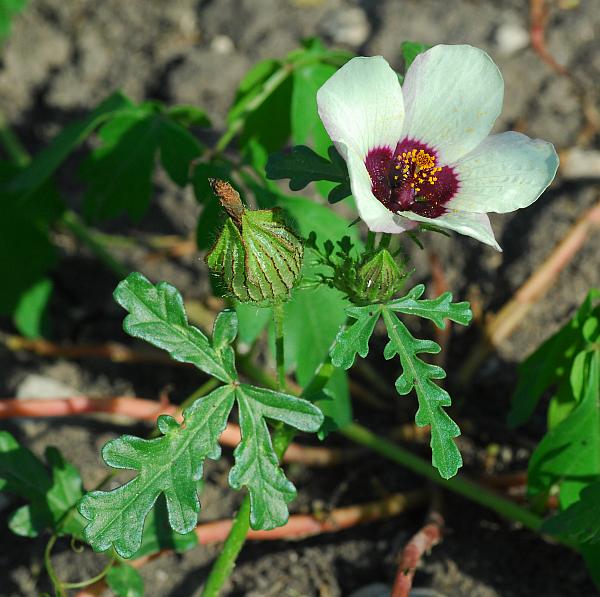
(422, 153)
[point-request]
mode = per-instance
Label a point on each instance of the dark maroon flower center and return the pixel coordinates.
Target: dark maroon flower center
(410, 179)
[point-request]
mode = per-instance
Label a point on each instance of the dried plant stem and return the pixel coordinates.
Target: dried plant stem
(299, 526)
(538, 14)
(510, 316)
(129, 406)
(427, 537)
(111, 351)
(148, 410)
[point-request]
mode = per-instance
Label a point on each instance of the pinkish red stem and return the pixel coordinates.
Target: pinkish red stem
(429, 536)
(148, 410)
(299, 526)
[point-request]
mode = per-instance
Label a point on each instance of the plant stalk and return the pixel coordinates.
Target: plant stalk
(282, 438)
(72, 221)
(468, 489)
(278, 317)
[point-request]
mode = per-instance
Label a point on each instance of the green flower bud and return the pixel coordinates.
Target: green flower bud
(257, 255)
(378, 279)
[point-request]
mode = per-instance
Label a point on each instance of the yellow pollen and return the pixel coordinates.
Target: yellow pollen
(417, 167)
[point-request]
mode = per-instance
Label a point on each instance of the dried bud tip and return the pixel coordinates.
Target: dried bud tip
(229, 198)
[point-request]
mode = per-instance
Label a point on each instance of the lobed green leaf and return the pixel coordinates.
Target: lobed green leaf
(157, 315)
(436, 310)
(421, 376)
(256, 464)
(169, 465)
(303, 166)
(119, 172)
(51, 496)
(158, 534)
(39, 170)
(354, 339)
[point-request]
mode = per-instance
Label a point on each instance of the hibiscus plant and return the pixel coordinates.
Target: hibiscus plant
(410, 153)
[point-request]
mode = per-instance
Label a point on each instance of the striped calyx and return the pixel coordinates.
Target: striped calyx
(378, 279)
(257, 255)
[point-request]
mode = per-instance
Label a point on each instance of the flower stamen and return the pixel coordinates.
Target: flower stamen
(411, 179)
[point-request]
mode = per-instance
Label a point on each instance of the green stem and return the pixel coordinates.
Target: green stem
(268, 87)
(370, 241)
(459, 485)
(90, 581)
(15, 150)
(276, 79)
(224, 564)
(241, 525)
(58, 588)
(384, 241)
(72, 221)
(278, 316)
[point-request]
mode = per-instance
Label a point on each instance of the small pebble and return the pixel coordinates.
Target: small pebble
(511, 37)
(348, 26)
(40, 386)
(221, 44)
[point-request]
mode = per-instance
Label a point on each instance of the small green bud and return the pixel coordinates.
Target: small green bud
(258, 256)
(379, 278)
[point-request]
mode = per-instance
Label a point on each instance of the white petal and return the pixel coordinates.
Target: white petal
(371, 210)
(504, 173)
(453, 95)
(475, 225)
(361, 106)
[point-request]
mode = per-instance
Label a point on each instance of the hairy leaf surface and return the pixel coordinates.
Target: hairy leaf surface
(169, 465)
(157, 315)
(436, 310)
(256, 464)
(420, 375)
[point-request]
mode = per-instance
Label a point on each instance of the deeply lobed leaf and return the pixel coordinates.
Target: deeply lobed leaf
(416, 374)
(171, 464)
(421, 376)
(436, 310)
(119, 172)
(256, 464)
(303, 166)
(354, 339)
(157, 315)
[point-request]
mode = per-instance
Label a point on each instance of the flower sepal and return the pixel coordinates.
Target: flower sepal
(258, 257)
